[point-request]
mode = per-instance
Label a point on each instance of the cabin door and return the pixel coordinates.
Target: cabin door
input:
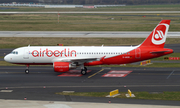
(26, 53)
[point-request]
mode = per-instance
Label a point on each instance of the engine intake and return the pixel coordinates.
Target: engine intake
(63, 66)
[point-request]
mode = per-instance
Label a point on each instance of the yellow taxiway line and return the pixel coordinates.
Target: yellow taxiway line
(96, 73)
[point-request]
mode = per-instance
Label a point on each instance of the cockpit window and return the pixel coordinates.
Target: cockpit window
(14, 52)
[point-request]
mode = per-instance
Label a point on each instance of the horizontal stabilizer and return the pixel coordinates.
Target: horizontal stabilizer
(157, 52)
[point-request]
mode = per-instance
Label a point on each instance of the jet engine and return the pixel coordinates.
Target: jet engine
(63, 66)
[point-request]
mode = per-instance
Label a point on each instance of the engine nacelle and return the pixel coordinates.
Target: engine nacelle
(63, 66)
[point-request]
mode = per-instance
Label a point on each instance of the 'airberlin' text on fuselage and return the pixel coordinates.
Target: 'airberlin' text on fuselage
(55, 53)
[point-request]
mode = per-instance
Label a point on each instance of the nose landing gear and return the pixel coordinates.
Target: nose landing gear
(27, 69)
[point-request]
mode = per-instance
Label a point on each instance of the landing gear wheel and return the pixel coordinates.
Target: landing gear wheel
(27, 71)
(83, 71)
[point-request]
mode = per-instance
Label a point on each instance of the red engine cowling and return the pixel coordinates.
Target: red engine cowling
(62, 66)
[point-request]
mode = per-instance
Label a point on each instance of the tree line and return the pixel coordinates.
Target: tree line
(95, 2)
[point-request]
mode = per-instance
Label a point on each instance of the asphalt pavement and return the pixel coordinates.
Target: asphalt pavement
(42, 83)
(154, 79)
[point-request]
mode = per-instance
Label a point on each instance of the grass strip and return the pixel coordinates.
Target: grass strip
(162, 7)
(175, 96)
(4, 63)
(150, 65)
(86, 22)
(170, 55)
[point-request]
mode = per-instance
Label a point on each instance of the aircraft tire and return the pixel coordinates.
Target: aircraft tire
(27, 71)
(83, 71)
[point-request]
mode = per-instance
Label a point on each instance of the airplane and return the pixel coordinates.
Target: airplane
(64, 58)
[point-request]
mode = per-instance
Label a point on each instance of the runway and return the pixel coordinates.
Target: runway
(84, 12)
(154, 79)
(83, 34)
(42, 83)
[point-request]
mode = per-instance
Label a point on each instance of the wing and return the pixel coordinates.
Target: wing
(77, 60)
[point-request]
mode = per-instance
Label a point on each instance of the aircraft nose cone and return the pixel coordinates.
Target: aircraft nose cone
(6, 58)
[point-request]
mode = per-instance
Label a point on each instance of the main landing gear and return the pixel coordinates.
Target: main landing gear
(84, 71)
(27, 69)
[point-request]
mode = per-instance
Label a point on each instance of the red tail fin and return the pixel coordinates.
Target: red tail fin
(158, 36)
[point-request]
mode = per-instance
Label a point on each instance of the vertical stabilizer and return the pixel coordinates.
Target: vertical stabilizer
(158, 36)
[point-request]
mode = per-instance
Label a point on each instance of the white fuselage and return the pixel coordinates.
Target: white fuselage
(51, 54)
